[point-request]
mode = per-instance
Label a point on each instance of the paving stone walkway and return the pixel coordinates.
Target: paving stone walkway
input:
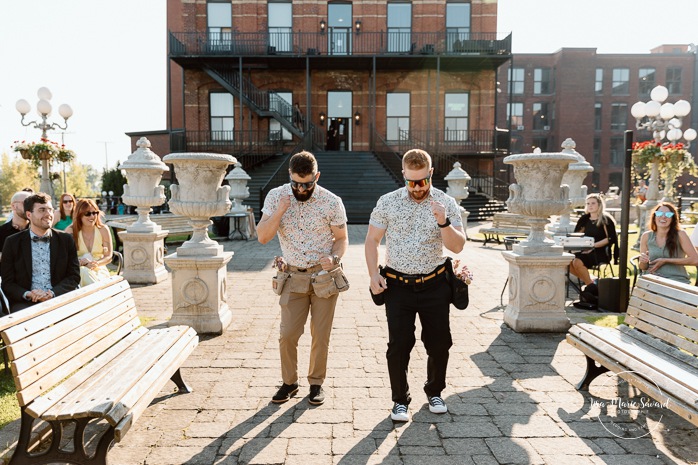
(511, 397)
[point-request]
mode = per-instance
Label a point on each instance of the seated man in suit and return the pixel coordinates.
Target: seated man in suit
(18, 222)
(38, 263)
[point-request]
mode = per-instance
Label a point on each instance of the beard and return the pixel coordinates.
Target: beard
(304, 196)
(419, 195)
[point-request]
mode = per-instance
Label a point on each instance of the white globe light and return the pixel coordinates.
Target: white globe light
(659, 94)
(690, 134)
(638, 110)
(667, 111)
(44, 93)
(674, 134)
(652, 108)
(43, 107)
(675, 122)
(23, 107)
(682, 108)
(65, 111)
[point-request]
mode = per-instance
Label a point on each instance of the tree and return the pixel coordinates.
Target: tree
(81, 180)
(113, 180)
(15, 175)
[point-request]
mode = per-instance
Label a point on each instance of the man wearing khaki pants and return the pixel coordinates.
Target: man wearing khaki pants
(312, 227)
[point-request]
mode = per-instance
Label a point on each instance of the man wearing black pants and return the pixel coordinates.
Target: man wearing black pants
(417, 222)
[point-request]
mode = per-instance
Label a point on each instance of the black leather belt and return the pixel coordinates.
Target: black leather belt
(304, 270)
(412, 279)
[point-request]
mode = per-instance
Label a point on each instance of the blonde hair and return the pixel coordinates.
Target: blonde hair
(416, 159)
(602, 218)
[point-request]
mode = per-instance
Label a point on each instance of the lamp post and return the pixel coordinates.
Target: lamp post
(663, 120)
(43, 107)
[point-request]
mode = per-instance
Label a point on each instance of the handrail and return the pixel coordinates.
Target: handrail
(389, 158)
(339, 41)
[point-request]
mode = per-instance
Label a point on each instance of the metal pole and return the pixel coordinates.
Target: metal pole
(625, 222)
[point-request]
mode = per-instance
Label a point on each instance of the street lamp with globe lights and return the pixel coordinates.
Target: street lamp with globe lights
(663, 120)
(44, 108)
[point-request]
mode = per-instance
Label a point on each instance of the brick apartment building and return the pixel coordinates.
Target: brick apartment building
(577, 93)
(259, 78)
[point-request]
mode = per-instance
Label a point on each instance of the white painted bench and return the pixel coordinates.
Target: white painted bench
(174, 224)
(506, 224)
(655, 350)
(84, 357)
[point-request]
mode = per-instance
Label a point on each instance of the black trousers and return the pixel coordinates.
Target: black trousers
(402, 304)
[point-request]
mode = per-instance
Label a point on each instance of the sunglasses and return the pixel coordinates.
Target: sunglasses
(68, 201)
(418, 183)
(88, 214)
(305, 185)
(659, 214)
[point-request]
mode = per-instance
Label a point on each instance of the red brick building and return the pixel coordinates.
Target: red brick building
(256, 78)
(577, 93)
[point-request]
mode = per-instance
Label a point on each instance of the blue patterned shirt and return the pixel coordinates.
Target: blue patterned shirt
(41, 263)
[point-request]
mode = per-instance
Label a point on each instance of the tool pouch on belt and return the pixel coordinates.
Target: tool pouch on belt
(328, 284)
(278, 282)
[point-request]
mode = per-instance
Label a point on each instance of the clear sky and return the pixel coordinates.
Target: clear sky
(107, 59)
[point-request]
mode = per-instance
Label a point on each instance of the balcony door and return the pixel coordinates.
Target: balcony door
(222, 116)
(339, 17)
(399, 27)
(219, 22)
(457, 26)
(280, 19)
(339, 111)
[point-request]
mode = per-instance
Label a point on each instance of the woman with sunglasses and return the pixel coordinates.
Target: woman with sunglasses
(665, 248)
(65, 218)
(93, 241)
(599, 225)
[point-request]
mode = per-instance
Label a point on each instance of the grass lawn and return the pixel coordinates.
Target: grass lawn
(9, 408)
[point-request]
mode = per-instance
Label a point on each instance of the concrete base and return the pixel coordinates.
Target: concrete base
(143, 256)
(537, 292)
(199, 292)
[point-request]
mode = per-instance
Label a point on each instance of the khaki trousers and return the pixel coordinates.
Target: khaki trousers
(295, 307)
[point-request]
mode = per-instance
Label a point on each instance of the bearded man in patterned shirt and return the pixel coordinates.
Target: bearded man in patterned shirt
(312, 227)
(417, 221)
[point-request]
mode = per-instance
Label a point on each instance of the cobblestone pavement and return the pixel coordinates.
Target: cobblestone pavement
(511, 397)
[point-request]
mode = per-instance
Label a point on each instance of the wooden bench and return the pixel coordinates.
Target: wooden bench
(506, 224)
(174, 224)
(655, 350)
(84, 357)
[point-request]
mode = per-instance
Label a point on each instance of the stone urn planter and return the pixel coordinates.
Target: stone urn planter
(143, 170)
(237, 180)
(573, 178)
(199, 196)
(536, 266)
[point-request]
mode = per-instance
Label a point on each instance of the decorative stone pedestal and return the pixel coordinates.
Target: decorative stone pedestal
(144, 257)
(199, 292)
(537, 292)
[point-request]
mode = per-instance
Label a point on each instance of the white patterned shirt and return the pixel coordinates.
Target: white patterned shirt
(413, 238)
(41, 263)
(304, 233)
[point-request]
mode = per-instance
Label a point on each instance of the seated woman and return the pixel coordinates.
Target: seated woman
(65, 218)
(93, 241)
(665, 248)
(599, 225)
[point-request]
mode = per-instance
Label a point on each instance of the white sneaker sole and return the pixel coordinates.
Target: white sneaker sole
(439, 409)
(399, 416)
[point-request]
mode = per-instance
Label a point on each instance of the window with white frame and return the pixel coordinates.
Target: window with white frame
(219, 22)
(542, 84)
(399, 27)
(647, 80)
(279, 18)
(598, 81)
(621, 81)
(516, 78)
(515, 116)
(457, 25)
(280, 102)
(456, 116)
(398, 115)
(222, 116)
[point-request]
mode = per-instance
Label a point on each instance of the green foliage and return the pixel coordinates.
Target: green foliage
(15, 175)
(80, 180)
(113, 180)
(9, 408)
(609, 321)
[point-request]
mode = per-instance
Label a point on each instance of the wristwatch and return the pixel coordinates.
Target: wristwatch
(446, 224)
(335, 259)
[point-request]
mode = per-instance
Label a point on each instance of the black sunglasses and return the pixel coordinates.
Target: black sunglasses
(305, 185)
(91, 213)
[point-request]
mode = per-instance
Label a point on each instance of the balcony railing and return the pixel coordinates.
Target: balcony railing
(457, 142)
(249, 147)
(337, 42)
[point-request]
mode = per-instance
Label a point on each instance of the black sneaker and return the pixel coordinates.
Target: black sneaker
(317, 395)
(285, 392)
(399, 412)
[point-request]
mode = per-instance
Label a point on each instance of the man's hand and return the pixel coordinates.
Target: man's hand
(39, 295)
(284, 203)
(327, 263)
(378, 284)
(439, 211)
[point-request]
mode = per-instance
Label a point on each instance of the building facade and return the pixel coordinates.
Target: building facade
(586, 96)
(255, 78)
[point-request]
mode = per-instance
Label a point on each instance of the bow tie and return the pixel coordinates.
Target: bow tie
(41, 239)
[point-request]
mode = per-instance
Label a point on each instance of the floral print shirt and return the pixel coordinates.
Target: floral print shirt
(41, 264)
(412, 237)
(304, 233)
